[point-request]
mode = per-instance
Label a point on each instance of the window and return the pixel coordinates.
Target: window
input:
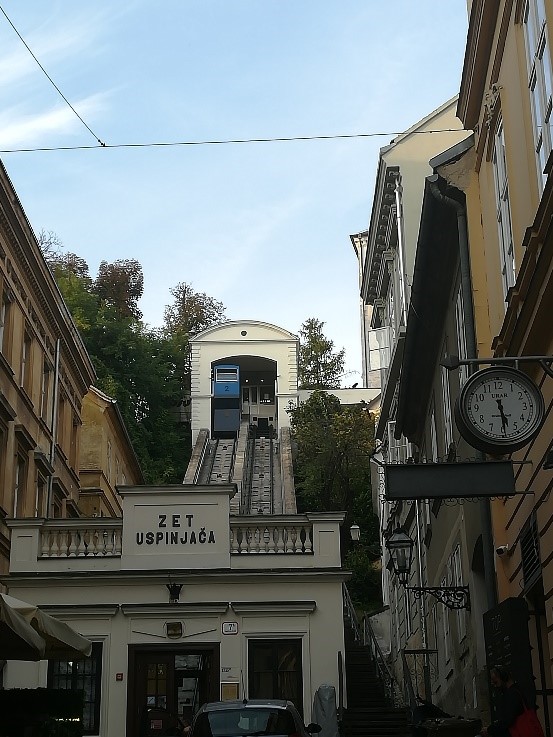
(539, 81)
(275, 670)
(5, 314)
(74, 441)
(408, 615)
(503, 210)
(45, 391)
(434, 633)
(461, 335)
(398, 450)
(433, 434)
(446, 404)
(61, 422)
(26, 364)
(81, 675)
(41, 493)
(457, 575)
(396, 619)
(445, 622)
(109, 462)
(20, 483)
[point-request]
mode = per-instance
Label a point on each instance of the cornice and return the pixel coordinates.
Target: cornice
(172, 610)
(268, 607)
(482, 23)
(379, 230)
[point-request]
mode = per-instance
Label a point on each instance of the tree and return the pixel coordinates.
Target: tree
(334, 443)
(49, 243)
(192, 312)
(320, 367)
(120, 285)
(141, 368)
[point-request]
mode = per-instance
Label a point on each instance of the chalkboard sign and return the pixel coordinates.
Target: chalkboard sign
(508, 643)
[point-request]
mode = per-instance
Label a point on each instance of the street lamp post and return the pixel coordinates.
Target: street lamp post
(400, 546)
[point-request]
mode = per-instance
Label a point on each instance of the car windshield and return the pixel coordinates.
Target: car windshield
(250, 721)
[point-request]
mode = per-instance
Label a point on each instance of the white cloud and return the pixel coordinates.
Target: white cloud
(18, 129)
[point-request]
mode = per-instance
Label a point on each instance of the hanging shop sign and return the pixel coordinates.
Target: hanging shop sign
(499, 410)
(449, 480)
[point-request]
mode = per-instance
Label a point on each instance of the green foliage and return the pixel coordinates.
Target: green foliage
(143, 369)
(120, 285)
(332, 467)
(320, 367)
(192, 312)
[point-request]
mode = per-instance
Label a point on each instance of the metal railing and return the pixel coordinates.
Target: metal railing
(392, 690)
(364, 635)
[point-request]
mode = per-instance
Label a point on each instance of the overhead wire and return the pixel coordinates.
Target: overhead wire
(224, 142)
(100, 142)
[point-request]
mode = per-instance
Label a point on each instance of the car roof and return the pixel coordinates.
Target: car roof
(243, 704)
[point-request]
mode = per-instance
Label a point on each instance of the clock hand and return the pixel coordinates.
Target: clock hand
(504, 420)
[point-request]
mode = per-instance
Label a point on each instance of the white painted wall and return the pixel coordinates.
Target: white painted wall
(261, 339)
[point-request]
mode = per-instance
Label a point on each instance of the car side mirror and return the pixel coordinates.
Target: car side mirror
(313, 728)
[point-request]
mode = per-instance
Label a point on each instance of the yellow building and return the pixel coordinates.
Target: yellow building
(107, 458)
(506, 99)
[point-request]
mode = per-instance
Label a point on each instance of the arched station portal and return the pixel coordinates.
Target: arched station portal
(244, 390)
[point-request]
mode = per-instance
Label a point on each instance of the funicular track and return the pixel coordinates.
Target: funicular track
(260, 481)
(218, 462)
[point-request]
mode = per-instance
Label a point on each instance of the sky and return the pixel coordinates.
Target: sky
(262, 227)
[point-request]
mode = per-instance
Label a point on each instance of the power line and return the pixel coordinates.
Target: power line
(49, 77)
(223, 142)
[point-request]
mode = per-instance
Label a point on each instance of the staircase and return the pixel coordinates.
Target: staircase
(370, 712)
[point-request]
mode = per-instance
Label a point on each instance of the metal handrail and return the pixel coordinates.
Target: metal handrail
(351, 614)
(340, 685)
(391, 686)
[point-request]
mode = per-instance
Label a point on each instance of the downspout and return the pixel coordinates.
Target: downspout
(468, 317)
(54, 425)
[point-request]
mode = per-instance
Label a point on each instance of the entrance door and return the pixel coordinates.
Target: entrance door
(168, 686)
(275, 670)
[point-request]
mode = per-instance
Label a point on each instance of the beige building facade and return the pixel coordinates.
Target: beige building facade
(45, 373)
(107, 458)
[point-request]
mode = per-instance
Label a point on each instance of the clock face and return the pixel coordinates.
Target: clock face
(499, 410)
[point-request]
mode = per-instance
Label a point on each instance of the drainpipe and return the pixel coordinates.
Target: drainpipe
(54, 425)
(468, 316)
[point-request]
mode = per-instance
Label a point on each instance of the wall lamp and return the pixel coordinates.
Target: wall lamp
(400, 546)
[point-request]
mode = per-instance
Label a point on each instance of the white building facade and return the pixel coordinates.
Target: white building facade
(185, 604)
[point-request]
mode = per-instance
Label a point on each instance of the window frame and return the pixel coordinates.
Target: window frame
(96, 659)
(503, 209)
(540, 82)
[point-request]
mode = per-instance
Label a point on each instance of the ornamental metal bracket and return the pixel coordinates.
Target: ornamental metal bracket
(453, 597)
(453, 362)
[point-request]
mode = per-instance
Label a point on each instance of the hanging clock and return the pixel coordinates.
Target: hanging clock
(499, 410)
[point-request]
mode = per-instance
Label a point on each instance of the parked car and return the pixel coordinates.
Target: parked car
(250, 718)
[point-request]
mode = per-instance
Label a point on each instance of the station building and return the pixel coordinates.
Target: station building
(213, 589)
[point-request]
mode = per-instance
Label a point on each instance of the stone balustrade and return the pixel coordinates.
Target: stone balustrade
(81, 538)
(282, 536)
